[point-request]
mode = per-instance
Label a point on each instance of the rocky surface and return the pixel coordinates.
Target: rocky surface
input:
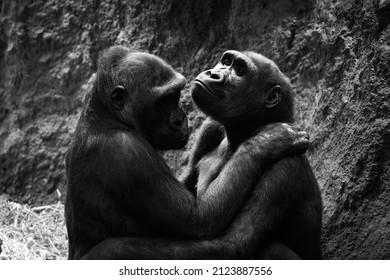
(336, 52)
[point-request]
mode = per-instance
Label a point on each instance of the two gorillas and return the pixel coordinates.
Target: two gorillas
(248, 192)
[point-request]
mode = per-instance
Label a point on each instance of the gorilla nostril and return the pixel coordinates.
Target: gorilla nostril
(217, 76)
(214, 76)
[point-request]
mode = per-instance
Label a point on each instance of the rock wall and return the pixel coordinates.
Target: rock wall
(337, 54)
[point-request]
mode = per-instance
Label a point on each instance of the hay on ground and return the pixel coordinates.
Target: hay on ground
(31, 233)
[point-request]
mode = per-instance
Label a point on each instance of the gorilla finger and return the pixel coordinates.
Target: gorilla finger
(302, 143)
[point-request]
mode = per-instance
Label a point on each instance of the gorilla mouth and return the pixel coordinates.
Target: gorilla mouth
(199, 82)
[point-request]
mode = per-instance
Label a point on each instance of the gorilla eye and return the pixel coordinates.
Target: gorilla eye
(227, 61)
(240, 68)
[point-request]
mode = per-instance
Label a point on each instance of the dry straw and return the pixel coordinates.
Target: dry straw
(31, 233)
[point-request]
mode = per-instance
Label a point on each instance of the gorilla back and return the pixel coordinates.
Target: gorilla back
(129, 87)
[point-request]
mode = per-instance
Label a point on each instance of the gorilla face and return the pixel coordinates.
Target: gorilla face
(240, 86)
(148, 100)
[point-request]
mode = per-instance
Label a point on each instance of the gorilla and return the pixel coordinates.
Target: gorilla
(123, 202)
(246, 91)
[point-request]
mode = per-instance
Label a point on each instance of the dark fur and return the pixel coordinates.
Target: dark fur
(122, 195)
(284, 212)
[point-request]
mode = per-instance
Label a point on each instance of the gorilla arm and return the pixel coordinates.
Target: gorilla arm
(284, 207)
(158, 199)
(249, 232)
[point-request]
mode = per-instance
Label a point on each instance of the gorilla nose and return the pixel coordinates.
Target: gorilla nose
(216, 76)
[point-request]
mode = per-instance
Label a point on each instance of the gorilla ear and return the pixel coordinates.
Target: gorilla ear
(118, 97)
(274, 97)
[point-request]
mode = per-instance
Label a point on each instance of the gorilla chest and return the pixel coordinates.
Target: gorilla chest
(212, 163)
